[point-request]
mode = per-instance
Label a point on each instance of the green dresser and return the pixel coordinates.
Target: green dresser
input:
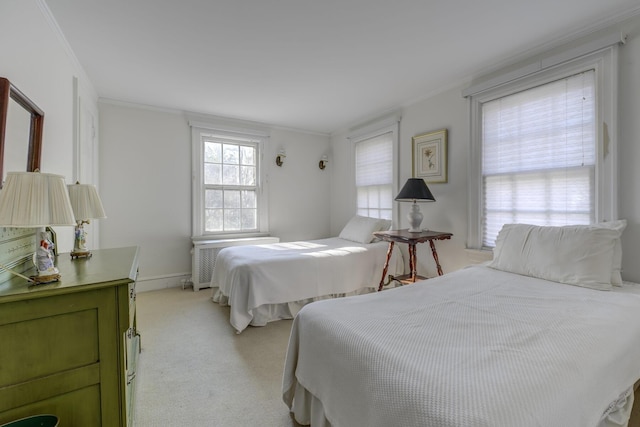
(70, 348)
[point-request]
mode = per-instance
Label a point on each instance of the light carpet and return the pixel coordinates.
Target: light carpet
(194, 370)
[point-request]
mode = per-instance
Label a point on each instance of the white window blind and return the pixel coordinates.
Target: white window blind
(374, 176)
(539, 156)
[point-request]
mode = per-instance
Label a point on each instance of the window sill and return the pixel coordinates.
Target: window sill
(478, 256)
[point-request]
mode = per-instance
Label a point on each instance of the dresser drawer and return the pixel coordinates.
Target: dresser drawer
(52, 339)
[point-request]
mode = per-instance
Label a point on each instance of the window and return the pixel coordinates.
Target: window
(538, 149)
(538, 156)
(227, 183)
(374, 176)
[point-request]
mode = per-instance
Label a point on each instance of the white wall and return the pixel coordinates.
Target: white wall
(145, 164)
(299, 190)
(145, 170)
(449, 212)
(38, 63)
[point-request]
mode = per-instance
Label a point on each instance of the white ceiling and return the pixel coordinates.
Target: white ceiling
(314, 65)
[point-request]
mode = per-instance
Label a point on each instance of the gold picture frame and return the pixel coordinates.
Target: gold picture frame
(430, 156)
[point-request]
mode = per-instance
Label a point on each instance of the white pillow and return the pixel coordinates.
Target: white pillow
(620, 225)
(385, 225)
(360, 229)
(580, 255)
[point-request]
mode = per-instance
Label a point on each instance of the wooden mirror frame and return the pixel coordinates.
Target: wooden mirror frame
(7, 90)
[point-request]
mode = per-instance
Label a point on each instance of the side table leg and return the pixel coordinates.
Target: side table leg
(413, 264)
(435, 257)
(386, 265)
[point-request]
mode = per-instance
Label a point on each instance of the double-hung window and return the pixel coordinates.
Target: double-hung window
(227, 187)
(375, 149)
(374, 175)
(543, 149)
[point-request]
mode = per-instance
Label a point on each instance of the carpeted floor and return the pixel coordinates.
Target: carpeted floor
(195, 371)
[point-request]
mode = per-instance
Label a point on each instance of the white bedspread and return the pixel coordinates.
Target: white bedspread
(249, 277)
(477, 347)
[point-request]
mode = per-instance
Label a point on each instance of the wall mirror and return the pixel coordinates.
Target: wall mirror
(21, 125)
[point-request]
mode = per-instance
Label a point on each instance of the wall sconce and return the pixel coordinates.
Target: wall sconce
(323, 162)
(280, 157)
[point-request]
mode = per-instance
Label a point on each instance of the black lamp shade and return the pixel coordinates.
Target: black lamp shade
(415, 189)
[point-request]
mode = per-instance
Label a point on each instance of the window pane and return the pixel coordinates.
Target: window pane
(212, 174)
(231, 199)
(249, 199)
(386, 213)
(213, 199)
(386, 198)
(230, 175)
(247, 155)
(374, 197)
(362, 197)
(247, 175)
(212, 152)
(231, 154)
(249, 219)
(213, 220)
(232, 219)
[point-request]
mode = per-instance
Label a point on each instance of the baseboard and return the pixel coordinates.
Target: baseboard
(155, 283)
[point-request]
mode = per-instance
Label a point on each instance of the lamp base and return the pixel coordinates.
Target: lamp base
(415, 219)
(80, 254)
(49, 278)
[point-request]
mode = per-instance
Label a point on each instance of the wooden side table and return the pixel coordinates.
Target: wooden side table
(412, 239)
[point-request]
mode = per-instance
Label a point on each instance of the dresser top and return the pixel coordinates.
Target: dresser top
(106, 267)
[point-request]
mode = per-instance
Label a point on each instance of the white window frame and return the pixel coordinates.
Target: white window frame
(389, 124)
(197, 179)
(604, 61)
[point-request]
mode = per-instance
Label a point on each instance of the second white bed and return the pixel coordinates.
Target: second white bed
(269, 282)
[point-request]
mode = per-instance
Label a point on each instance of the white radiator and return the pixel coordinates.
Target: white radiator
(204, 253)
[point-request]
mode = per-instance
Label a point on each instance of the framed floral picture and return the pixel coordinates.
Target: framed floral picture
(430, 156)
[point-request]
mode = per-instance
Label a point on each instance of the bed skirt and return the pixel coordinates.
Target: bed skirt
(271, 312)
(308, 410)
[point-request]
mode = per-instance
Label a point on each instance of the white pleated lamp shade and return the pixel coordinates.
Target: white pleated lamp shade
(35, 199)
(85, 202)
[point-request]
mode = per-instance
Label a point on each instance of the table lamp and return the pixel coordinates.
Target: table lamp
(86, 205)
(414, 190)
(36, 200)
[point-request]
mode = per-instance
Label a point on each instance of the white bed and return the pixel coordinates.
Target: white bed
(477, 347)
(263, 283)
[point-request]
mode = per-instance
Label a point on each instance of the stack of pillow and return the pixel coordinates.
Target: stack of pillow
(581, 255)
